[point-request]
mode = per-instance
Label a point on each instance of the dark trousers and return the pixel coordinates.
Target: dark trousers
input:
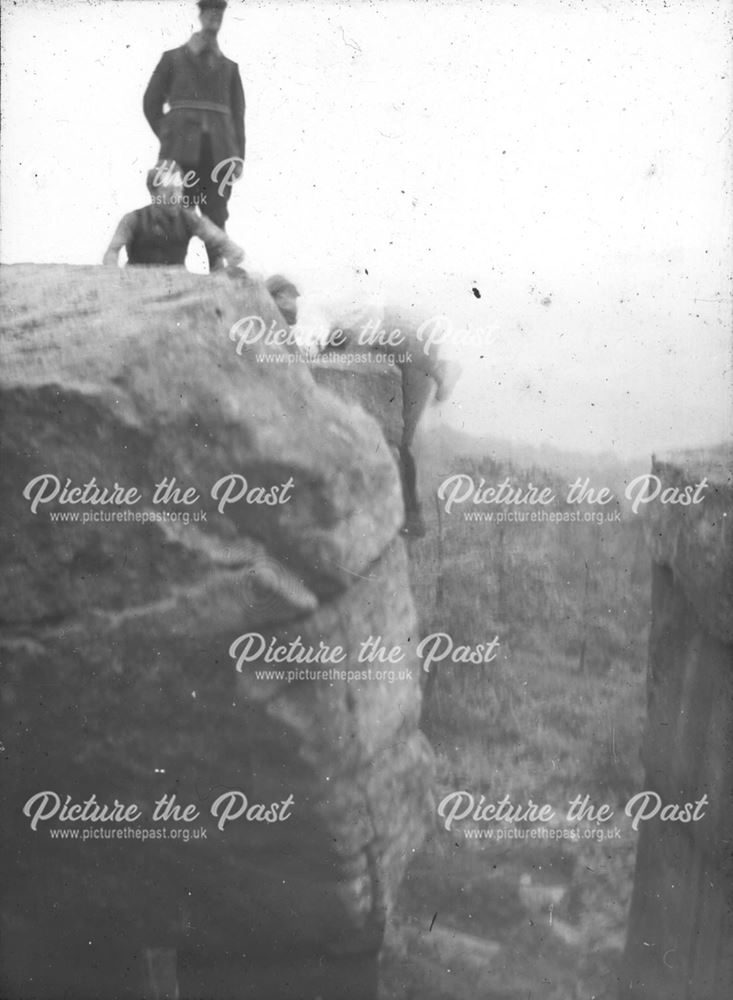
(205, 192)
(417, 388)
(408, 474)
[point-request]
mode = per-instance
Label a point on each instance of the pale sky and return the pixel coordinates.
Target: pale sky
(571, 160)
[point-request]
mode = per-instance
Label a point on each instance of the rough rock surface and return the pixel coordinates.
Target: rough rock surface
(118, 680)
(696, 541)
(379, 393)
(680, 937)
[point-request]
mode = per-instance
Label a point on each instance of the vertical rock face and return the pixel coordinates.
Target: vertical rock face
(377, 388)
(117, 626)
(680, 939)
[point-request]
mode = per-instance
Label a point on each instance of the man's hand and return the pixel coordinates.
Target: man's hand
(449, 372)
(234, 271)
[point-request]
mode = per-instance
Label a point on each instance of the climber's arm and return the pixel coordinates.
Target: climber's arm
(122, 236)
(446, 376)
(216, 239)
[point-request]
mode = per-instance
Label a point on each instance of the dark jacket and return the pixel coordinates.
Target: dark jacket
(210, 82)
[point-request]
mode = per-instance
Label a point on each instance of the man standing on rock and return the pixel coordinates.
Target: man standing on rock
(203, 129)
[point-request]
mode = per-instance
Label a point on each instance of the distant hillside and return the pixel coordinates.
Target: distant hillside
(440, 448)
(603, 468)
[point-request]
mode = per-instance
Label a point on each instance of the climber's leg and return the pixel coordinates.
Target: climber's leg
(417, 388)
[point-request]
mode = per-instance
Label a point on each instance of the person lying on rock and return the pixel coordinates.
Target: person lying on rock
(394, 334)
(159, 233)
(286, 297)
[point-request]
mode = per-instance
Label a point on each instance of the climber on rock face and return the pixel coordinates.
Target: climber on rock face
(159, 233)
(393, 333)
(420, 376)
(286, 297)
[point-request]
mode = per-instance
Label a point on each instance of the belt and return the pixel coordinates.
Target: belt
(221, 109)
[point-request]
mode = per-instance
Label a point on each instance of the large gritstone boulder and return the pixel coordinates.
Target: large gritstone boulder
(203, 754)
(680, 938)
